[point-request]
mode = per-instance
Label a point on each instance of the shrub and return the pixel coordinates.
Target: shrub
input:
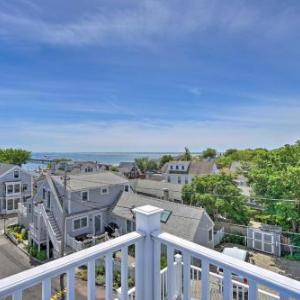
(295, 256)
(41, 255)
(234, 238)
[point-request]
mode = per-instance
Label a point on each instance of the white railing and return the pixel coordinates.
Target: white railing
(80, 245)
(151, 283)
(14, 285)
(52, 234)
(74, 244)
(232, 268)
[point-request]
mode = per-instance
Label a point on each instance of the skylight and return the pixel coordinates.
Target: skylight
(164, 216)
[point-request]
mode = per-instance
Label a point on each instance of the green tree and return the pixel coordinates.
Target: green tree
(275, 179)
(219, 195)
(14, 156)
(209, 153)
(186, 156)
(164, 159)
(146, 164)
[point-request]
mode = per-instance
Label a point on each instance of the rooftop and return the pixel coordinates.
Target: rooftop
(183, 221)
(5, 167)
(89, 181)
(156, 188)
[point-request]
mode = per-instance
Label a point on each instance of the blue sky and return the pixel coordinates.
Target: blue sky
(149, 75)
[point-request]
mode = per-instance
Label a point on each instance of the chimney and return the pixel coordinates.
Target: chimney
(166, 194)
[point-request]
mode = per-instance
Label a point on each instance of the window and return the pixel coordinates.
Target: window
(29, 208)
(210, 235)
(171, 167)
(84, 196)
(44, 193)
(24, 187)
(126, 188)
(10, 189)
(10, 204)
(16, 203)
(164, 216)
(179, 180)
(17, 188)
(186, 180)
(16, 173)
(177, 167)
(182, 167)
(169, 179)
(80, 223)
(104, 191)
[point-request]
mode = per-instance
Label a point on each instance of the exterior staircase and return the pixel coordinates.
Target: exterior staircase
(52, 228)
(54, 225)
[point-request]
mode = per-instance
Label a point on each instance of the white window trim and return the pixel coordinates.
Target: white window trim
(88, 196)
(73, 223)
(105, 193)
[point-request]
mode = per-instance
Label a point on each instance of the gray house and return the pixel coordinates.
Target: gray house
(157, 189)
(129, 170)
(16, 188)
(191, 223)
(77, 167)
(182, 172)
(86, 202)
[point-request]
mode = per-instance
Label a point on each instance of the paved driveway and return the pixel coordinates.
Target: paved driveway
(12, 261)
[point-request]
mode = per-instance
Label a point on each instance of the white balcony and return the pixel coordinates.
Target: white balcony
(180, 280)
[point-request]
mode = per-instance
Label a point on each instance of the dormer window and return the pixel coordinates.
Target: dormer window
(16, 174)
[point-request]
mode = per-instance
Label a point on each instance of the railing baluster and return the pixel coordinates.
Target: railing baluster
(124, 274)
(227, 285)
(108, 276)
(46, 289)
(71, 284)
(158, 278)
(139, 270)
(17, 295)
(187, 276)
(91, 280)
(204, 279)
(252, 290)
(170, 272)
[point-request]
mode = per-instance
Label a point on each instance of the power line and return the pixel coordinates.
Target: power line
(192, 192)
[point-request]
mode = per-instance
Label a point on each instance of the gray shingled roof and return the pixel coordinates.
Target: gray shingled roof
(183, 221)
(156, 188)
(196, 167)
(5, 167)
(91, 180)
(126, 167)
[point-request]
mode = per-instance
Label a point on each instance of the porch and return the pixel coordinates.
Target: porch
(189, 275)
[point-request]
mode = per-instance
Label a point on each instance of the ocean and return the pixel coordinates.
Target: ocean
(113, 158)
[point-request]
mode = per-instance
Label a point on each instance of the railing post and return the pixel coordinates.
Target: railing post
(178, 275)
(147, 222)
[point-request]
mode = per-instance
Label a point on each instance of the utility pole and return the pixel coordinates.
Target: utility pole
(63, 231)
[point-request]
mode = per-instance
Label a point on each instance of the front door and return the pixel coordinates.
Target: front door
(98, 224)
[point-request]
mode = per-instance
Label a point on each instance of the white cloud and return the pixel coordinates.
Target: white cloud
(144, 23)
